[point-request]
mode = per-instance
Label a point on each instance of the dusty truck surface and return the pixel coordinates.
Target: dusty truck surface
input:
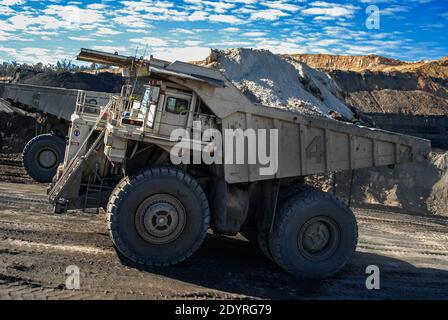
(55, 107)
(139, 161)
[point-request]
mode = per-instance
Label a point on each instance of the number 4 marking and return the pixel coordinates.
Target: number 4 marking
(315, 149)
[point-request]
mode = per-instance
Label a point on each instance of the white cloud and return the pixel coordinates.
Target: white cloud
(11, 2)
(185, 54)
(231, 44)
(254, 34)
(392, 10)
(326, 10)
(9, 51)
(198, 16)
(219, 7)
(35, 54)
(181, 30)
(151, 42)
(268, 14)
(82, 39)
(75, 15)
(130, 21)
(107, 32)
(224, 18)
(281, 5)
(96, 6)
(280, 47)
(231, 29)
(141, 31)
(192, 43)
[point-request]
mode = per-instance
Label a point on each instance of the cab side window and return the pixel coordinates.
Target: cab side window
(176, 105)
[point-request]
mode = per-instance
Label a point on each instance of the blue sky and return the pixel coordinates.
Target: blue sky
(47, 31)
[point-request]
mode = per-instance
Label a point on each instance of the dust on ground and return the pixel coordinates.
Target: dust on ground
(12, 170)
(37, 246)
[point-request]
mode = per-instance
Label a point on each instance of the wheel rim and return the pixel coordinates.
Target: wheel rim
(160, 219)
(47, 158)
(318, 238)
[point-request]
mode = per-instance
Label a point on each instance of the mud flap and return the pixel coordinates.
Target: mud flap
(229, 207)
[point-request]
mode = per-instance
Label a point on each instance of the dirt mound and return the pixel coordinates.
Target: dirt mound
(102, 82)
(14, 137)
(280, 82)
(417, 188)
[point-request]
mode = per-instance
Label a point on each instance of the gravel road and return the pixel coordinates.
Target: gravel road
(36, 247)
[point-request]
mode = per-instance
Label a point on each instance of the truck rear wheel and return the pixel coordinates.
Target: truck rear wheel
(159, 217)
(42, 156)
(314, 235)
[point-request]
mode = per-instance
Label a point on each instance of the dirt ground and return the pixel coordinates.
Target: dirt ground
(36, 247)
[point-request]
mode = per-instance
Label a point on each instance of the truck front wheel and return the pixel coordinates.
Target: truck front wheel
(314, 235)
(159, 217)
(42, 156)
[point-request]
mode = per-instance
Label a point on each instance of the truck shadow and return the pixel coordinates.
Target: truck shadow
(238, 268)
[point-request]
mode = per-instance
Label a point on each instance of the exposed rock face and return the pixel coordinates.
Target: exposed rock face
(377, 84)
(379, 87)
(348, 63)
(396, 92)
(436, 68)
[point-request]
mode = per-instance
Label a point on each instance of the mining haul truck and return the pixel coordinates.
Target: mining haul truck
(54, 108)
(159, 209)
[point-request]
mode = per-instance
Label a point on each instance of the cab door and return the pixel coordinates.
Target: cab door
(175, 113)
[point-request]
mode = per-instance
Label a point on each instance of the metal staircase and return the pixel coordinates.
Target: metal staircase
(92, 197)
(76, 167)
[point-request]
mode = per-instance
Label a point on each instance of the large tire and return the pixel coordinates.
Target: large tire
(42, 156)
(314, 235)
(159, 217)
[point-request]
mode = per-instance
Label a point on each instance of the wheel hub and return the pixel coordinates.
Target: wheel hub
(318, 238)
(47, 158)
(160, 219)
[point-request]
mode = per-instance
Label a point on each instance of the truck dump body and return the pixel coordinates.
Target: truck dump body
(312, 145)
(58, 102)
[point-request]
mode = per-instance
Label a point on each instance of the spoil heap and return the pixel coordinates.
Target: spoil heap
(280, 82)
